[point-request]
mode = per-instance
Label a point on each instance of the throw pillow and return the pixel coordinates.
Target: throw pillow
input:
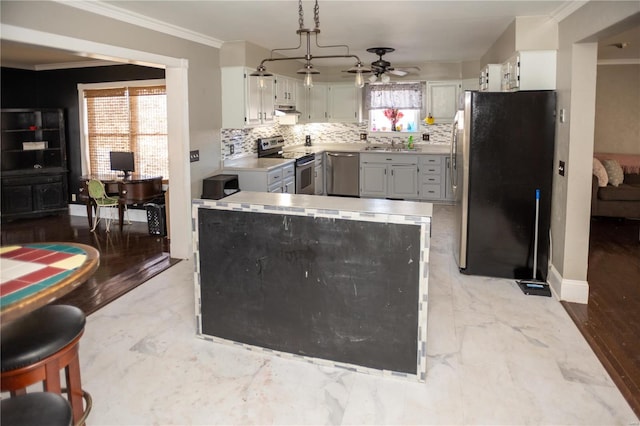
(614, 172)
(600, 172)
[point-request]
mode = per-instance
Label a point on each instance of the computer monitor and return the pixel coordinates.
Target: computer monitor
(122, 161)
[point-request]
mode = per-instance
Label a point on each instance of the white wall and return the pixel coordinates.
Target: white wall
(193, 83)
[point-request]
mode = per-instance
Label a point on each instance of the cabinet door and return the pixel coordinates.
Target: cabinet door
(343, 103)
(319, 182)
(49, 196)
(317, 103)
(442, 100)
(289, 186)
(17, 199)
(302, 102)
(403, 182)
(448, 190)
(373, 180)
(268, 101)
(253, 103)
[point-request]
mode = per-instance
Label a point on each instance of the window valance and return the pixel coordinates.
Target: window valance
(395, 95)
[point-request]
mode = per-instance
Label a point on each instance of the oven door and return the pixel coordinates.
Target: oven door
(305, 177)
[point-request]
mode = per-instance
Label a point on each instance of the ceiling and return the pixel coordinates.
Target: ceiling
(420, 31)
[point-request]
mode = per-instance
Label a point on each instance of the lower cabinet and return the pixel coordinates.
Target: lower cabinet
(319, 175)
(388, 176)
(34, 195)
(281, 179)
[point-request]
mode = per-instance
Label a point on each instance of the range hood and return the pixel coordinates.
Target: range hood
(286, 110)
(286, 114)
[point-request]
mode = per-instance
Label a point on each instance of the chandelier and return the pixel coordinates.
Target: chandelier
(358, 69)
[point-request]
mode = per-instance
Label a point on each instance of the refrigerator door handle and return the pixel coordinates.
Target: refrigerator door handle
(453, 175)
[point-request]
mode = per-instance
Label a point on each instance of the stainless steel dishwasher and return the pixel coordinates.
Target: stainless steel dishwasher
(343, 173)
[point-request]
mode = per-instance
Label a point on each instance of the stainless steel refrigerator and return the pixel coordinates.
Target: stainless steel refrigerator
(501, 153)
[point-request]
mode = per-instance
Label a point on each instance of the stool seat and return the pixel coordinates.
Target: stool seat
(36, 409)
(36, 336)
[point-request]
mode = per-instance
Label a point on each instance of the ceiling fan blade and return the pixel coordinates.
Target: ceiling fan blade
(399, 73)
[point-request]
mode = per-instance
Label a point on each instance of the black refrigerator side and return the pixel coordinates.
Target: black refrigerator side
(510, 156)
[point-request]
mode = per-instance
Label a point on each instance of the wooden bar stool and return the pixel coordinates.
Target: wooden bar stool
(34, 348)
(35, 409)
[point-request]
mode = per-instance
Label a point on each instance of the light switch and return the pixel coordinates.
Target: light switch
(561, 168)
(194, 156)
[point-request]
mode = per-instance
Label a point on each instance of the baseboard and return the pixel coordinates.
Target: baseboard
(134, 215)
(575, 291)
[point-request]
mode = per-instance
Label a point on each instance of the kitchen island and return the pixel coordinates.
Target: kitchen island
(335, 281)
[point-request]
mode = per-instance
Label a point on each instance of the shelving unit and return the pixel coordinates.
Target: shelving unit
(34, 163)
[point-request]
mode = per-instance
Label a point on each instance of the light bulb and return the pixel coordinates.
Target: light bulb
(385, 78)
(359, 80)
(308, 81)
(261, 82)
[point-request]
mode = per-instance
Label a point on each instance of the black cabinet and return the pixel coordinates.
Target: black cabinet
(34, 163)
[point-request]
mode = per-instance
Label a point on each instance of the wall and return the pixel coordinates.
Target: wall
(58, 89)
(617, 127)
(193, 86)
(576, 83)
(502, 48)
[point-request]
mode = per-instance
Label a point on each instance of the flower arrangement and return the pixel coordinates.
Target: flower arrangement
(393, 115)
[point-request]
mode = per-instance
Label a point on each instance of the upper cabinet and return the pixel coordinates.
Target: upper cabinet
(442, 99)
(286, 90)
(491, 78)
(244, 101)
(343, 103)
(530, 70)
(312, 103)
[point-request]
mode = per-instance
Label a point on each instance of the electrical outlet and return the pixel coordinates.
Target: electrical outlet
(561, 168)
(363, 136)
(232, 149)
(563, 115)
(425, 136)
(194, 156)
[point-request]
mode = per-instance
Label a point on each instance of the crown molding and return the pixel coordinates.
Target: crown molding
(630, 61)
(123, 15)
(566, 9)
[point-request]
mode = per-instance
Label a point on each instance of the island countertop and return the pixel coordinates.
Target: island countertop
(342, 204)
(254, 163)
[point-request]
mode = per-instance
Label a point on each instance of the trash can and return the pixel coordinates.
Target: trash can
(156, 218)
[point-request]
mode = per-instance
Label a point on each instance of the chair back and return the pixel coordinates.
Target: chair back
(96, 189)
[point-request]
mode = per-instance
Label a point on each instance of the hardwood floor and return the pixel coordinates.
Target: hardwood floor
(127, 259)
(611, 320)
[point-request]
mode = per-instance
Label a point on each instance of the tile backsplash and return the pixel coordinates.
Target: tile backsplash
(244, 140)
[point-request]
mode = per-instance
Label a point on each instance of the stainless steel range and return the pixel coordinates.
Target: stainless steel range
(273, 147)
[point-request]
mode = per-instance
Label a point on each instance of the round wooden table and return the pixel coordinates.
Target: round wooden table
(34, 275)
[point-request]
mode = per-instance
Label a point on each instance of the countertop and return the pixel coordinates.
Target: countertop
(257, 164)
(341, 204)
(250, 162)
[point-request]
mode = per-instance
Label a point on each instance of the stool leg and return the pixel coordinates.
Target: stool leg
(52, 378)
(74, 387)
(18, 392)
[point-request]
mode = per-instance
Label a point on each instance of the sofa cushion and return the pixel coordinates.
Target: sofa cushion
(614, 172)
(622, 192)
(600, 172)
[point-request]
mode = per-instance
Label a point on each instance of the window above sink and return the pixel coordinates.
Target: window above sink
(395, 107)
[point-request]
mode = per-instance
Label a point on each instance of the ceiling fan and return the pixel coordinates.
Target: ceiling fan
(382, 68)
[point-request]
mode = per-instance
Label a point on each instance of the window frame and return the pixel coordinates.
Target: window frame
(421, 112)
(84, 131)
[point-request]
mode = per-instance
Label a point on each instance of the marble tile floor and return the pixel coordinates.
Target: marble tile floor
(496, 357)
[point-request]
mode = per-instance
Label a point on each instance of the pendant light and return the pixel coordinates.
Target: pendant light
(358, 69)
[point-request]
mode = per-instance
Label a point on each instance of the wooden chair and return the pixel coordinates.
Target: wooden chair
(102, 200)
(35, 347)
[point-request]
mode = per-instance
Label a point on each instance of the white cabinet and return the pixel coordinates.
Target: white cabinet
(434, 178)
(530, 70)
(343, 103)
(442, 99)
(302, 102)
(279, 179)
(317, 103)
(285, 90)
(244, 102)
(388, 176)
(319, 175)
(491, 78)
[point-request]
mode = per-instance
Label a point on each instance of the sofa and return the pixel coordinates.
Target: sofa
(617, 201)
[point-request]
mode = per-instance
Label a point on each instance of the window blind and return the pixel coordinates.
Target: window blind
(128, 119)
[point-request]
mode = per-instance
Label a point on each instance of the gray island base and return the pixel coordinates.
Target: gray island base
(336, 281)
